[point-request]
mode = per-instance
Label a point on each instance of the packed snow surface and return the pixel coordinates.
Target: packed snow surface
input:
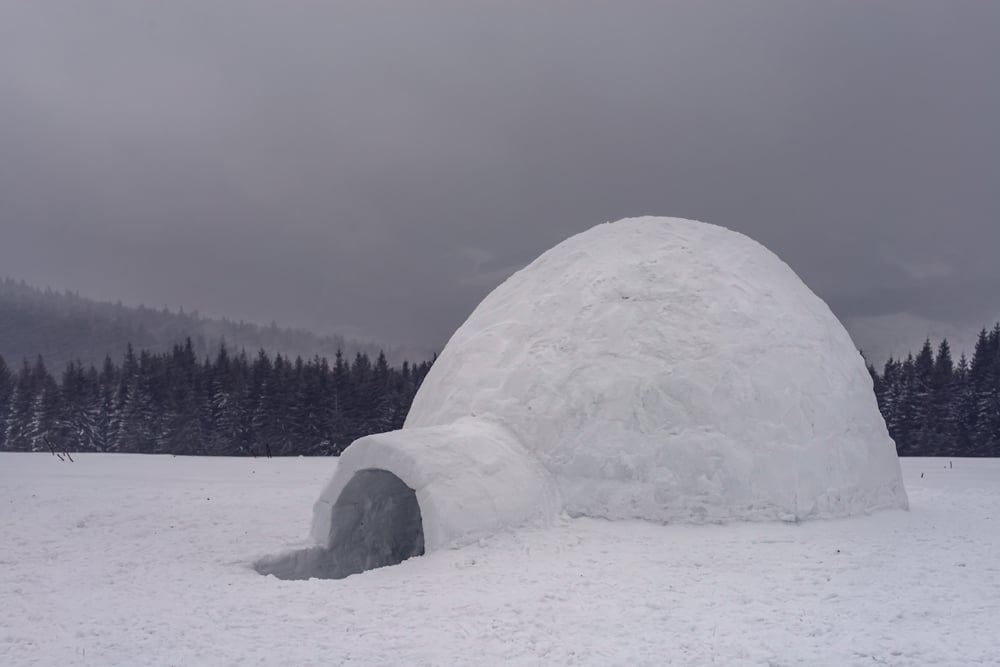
(146, 560)
(670, 370)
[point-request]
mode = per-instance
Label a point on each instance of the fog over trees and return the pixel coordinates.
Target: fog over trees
(65, 327)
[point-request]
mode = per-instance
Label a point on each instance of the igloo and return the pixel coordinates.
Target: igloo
(651, 368)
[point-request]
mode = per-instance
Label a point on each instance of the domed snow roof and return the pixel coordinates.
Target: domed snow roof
(660, 369)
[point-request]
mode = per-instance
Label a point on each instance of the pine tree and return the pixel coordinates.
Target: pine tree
(104, 406)
(223, 438)
(339, 406)
(19, 409)
(75, 428)
(382, 399)
(939, 412)
(6, 390)
(890, 398)
(44, 415)
(403, 396)
(907, 409)
(983, 384)
(361, 404)
(985, 373)
(136, 412)
(922, 427)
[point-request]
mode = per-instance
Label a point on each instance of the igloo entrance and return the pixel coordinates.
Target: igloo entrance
(375, 522)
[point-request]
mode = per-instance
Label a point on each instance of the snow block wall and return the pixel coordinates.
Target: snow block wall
(471, 478)
(651, 368)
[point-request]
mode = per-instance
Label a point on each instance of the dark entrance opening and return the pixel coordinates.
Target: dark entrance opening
(375, 522)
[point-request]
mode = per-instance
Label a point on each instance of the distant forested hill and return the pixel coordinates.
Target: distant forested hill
(65, 327)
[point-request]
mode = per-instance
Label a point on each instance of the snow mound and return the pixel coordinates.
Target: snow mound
(651, 368)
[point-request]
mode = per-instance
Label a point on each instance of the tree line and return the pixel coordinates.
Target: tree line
(229, 405)
(234, 406)
(935, 407)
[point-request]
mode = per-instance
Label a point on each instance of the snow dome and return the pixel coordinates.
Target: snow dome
(651, 368)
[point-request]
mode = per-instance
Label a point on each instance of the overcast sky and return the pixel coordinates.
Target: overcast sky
(376, 168)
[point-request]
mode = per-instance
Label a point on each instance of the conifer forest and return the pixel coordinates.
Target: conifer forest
(230, 405)
(935, 406)
(235, 405)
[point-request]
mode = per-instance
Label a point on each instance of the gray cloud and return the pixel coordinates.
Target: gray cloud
(377, 167)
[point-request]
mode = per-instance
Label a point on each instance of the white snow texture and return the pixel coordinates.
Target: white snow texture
(125, 559)
(651, 368)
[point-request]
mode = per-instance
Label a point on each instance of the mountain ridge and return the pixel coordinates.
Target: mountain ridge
(63, 326)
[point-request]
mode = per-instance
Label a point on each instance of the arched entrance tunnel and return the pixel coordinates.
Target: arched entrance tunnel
(375, 522)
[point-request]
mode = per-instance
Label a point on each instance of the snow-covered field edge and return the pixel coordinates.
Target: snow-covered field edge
(135, 560)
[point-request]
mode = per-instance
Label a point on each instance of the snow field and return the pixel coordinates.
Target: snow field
(145, 560)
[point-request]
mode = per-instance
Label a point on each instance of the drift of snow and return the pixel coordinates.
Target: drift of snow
(670, 370)
(145, 560)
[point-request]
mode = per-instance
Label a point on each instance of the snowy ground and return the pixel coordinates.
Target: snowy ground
(136, 560)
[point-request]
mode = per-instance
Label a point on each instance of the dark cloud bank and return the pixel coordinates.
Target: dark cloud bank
(375, 168)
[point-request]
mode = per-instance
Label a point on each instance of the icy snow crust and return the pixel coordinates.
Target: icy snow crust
(650, 368)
